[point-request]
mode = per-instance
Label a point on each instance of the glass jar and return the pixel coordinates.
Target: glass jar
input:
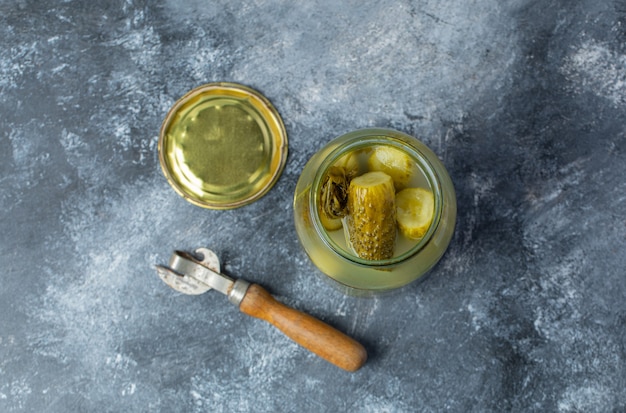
(328, 249)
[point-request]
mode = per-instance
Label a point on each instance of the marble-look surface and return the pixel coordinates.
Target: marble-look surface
(524, 101)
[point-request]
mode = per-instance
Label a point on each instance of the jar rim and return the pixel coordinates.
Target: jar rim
(366, 138)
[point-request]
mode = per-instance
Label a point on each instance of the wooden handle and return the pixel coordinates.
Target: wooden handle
(311, 333)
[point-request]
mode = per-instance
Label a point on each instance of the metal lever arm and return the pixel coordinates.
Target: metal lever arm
(311, 333)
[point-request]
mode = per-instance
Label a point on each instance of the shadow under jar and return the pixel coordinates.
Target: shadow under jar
(330, 249)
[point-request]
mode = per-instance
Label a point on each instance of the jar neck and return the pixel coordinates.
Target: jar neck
(378, 137)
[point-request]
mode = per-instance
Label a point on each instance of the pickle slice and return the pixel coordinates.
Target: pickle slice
(415, 210)
(371, 221)
(394, 163)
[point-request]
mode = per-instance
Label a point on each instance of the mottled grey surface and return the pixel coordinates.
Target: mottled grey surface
(524, 101)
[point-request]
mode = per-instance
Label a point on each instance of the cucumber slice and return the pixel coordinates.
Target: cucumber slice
(415, 210)
(394, 163)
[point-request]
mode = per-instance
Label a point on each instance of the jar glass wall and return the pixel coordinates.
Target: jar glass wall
(329, 250)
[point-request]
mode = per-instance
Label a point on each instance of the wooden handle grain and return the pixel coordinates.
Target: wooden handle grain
(311, 333)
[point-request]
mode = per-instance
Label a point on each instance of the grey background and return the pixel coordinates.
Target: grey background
(524, 101)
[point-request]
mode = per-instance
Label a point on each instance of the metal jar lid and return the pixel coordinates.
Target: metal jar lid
(222, 146)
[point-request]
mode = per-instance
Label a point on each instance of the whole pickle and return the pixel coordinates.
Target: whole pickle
(371, 221)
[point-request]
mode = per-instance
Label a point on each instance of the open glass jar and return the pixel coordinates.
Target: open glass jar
(331, 249)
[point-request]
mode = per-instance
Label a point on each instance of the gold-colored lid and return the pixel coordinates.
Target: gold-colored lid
(222, 146)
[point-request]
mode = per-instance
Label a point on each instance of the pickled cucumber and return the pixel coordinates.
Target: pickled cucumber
(394, 163)
(370, 225)
(415, 210)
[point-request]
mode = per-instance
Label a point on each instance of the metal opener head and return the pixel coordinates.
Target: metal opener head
(190, 275)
